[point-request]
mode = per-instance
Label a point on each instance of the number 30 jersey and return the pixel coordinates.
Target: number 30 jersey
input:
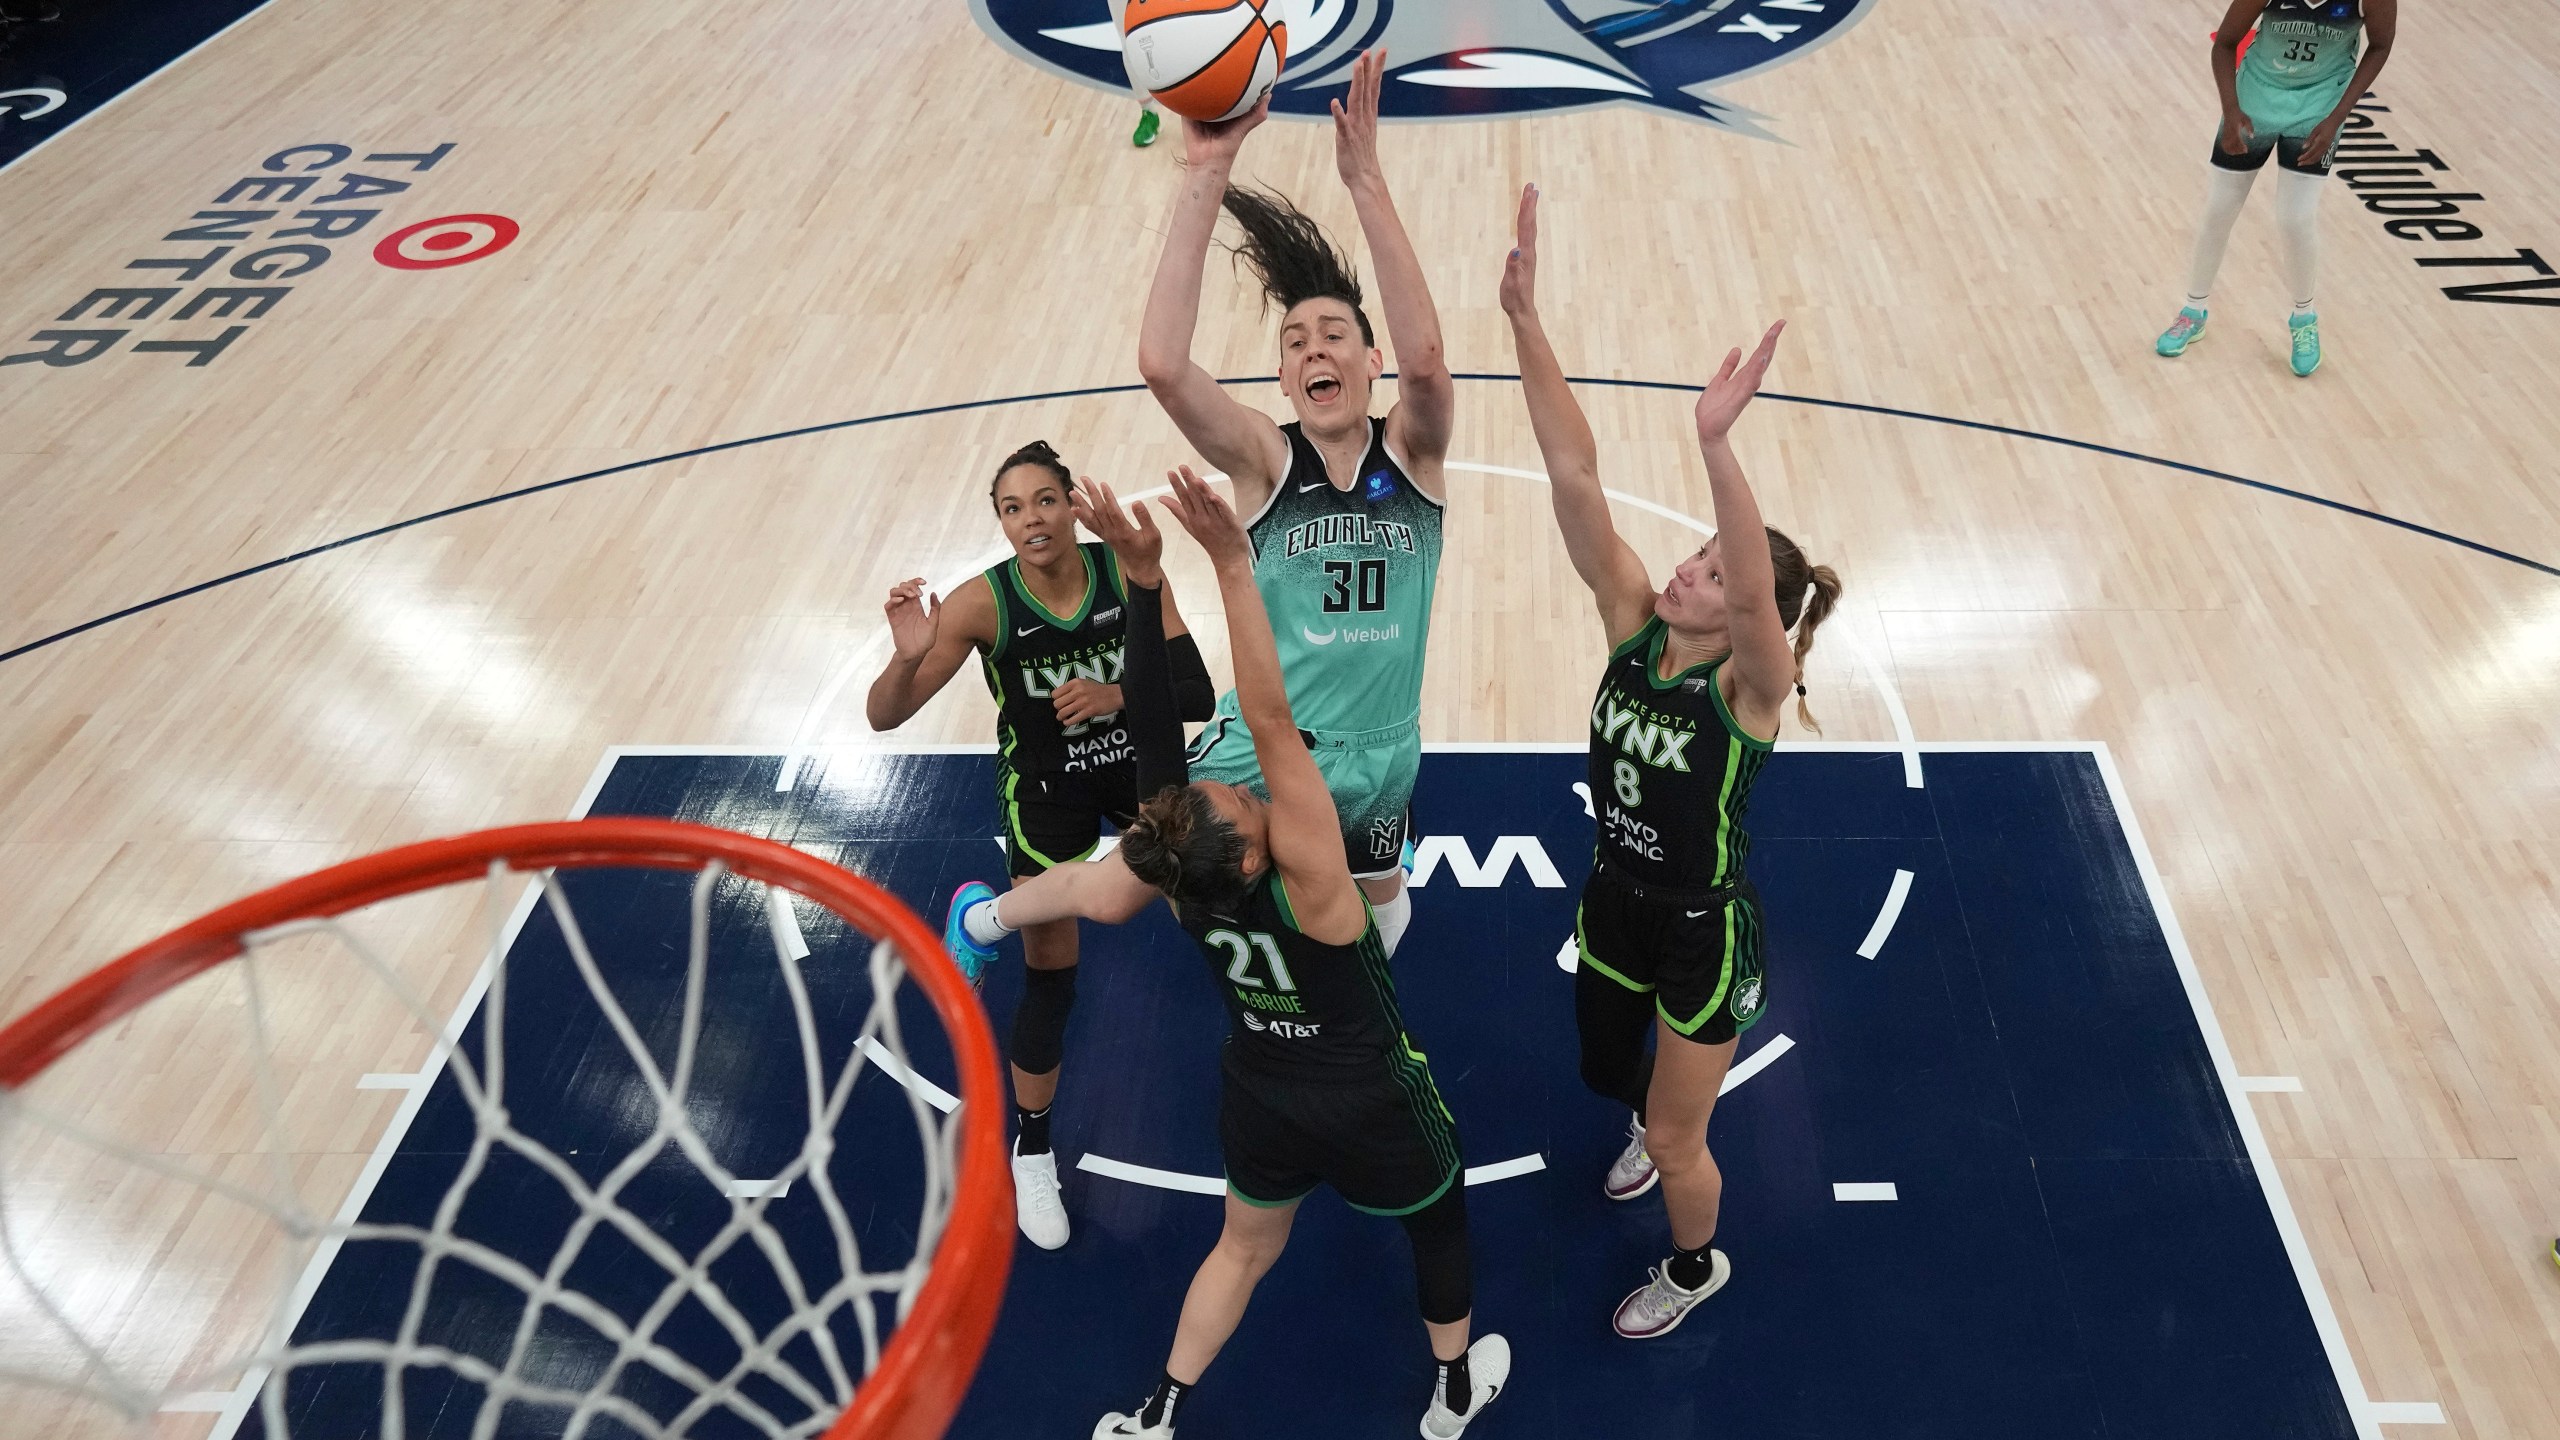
(1670, 772)
(1348, 577)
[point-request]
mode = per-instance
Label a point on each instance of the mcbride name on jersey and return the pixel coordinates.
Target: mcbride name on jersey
(1300, 1007)
(1348, 577)
(1037, 652)
(1670, 771)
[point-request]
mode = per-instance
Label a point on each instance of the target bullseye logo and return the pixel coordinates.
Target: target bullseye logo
(451, 240)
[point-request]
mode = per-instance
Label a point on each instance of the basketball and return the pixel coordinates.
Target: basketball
(1205, 59)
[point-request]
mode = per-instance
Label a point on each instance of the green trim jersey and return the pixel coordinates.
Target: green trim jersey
(1303, 1009)
(1036, 651)
(2297, 69)
(1348, 577)
(1671, 770)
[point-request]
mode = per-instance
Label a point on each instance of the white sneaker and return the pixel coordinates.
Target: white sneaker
(1116, 1426)
(1488, 1368)
(1658, 1308)
(1632, 1173)
(1036, 1205)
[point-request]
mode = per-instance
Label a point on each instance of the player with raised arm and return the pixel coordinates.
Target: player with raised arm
(1047, 627)
(1321, 1083)
(1687, 712)
(1344, 506)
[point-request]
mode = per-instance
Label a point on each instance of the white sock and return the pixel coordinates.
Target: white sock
(2298, 218)
(984, 925)
(1393, 916)
(2222, 203)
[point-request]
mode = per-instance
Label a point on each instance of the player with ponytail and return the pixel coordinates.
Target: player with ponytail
(1698, 677)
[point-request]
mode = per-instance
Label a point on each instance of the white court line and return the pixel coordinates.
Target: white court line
(784, 921)
(2324, 1316)
(1908, 743)
(1857, 1190)
(756, 1189)
(1529, 1164)
(2272, 1084)
(1877, 933)
(380, 1081)
(1778, 1045)
(2405, 1412)
(896, 1069)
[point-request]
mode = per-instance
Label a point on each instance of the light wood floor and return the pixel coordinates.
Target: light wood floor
(2343, 739)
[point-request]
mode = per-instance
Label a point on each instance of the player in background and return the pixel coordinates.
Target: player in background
(1320, 1083)
(1687, 713)
(2288, 97)
(1344, 506)
(1047, 628)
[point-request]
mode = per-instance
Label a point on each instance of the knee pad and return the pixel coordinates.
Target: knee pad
(1443, 1272)
(1040, 1021)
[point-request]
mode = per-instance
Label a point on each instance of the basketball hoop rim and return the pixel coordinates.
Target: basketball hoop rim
(926, 1368)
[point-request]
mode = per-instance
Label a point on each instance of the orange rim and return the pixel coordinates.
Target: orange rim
(927, 1366)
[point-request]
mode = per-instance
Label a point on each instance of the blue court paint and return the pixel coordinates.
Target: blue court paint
(2079, 1245)
(98, 50)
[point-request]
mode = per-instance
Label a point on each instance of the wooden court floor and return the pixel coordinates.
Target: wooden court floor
(2341, 735)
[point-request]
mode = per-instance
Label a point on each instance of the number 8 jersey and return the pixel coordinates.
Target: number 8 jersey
(1670, 772)
(1348, 577)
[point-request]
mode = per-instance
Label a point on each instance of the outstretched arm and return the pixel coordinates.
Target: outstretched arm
(1764, 668)
(1601, 557)
(1426, 398)
(929, 641)
(1234, 437)
(1305, 831)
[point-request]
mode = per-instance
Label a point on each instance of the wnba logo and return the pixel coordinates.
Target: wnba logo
(1482, 60)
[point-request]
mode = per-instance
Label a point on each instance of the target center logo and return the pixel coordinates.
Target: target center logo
(1484, 59)
(449, 240)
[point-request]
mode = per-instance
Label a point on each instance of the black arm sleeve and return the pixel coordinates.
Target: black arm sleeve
(1194, 697)
(1147, 687)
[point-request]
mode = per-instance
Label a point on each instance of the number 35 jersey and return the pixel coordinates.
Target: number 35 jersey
(1348, 577)
(1671, 771)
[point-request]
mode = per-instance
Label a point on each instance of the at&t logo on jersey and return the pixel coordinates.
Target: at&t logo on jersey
(1477, 59)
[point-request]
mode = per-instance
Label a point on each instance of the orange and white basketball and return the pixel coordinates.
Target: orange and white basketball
(1205, 59)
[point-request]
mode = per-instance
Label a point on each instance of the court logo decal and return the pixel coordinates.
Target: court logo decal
(1481, 60)
(33, 103)
(451, 240)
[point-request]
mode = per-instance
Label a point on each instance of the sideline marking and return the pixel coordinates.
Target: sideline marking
(1892, 911)
(1861, 1190)
(1529, 1164)
(1778, 1045)
(756, 1189)
(896, 1069)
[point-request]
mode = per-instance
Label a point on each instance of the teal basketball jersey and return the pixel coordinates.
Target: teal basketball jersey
(1348, 577)
(2298, 68)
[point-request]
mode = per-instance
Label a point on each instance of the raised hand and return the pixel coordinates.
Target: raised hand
(1139, 544)
(1355, 124)
(1208, 142)
(1735, 383)
(1206, 517)
(913, 617)
(1520, 272)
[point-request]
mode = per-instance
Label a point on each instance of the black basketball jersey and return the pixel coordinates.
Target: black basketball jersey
(1300, 1008)
(1035, 652)
(1670, 771)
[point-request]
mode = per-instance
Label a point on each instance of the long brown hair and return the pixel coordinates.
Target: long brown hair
(1807, 594)
(1181, 845)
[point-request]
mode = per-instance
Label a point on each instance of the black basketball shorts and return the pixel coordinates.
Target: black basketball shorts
(1698, 958)
(1383, 1140)
(1051, 819)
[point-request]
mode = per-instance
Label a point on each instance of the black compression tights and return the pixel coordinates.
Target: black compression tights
(1443, 1274)
(1613, 1021)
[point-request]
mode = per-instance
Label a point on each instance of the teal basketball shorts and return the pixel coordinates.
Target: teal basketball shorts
(1370, 772)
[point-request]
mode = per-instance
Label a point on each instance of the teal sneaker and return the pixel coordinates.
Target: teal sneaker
(1148, 124)
(972, 957)
(2184, 331)
(2306, 344)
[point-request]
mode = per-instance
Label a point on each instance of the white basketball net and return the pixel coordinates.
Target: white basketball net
(56, 1316)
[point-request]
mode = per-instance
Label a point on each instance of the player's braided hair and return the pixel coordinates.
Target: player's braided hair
(1289, 254)
(1038, 452)
(1181, 845)
(1807, 593)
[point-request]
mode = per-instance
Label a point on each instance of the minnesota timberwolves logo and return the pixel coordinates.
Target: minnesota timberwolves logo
(1478, 59)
